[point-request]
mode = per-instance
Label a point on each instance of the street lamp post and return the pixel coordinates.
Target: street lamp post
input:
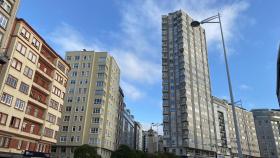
(209, 20)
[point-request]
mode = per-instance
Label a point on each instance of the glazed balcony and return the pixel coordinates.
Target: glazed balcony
(45, 68)
(38, 96)
(31, 127)
(42, 81)
(34, 112)
(48, 55)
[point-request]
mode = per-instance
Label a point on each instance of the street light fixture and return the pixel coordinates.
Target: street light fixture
(209, 20)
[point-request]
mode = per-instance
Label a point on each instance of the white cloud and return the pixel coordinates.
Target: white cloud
(131, 91)
(137, 46)
(244, 87)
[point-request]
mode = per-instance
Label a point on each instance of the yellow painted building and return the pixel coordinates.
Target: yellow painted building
(33, 84)
(91, 104)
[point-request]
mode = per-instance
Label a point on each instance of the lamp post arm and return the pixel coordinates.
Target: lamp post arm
(231, 94)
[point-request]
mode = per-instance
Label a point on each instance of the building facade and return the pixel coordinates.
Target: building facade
(8, 10)
(33, 84)
(188, 118)
(127, 129)
(226, 139)
(222, 127)
(267, 123)
(90, 114)
(138, 136)
(150, 141)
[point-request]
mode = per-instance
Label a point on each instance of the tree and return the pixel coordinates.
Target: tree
(86, 151)
(123, 152)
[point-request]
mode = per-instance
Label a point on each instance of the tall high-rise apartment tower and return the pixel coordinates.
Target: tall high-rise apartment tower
(91, 104)
(187, 109)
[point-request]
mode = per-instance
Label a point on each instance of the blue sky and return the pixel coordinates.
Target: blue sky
(131, 31)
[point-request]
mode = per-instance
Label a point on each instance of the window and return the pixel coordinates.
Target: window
(6, 99)
(77, 109)
(15, 122)
(4, 141)
(99, 92)
(76, 65)
(78, 99)
(60, 107)
(100, 75)
(70, 99)
(28, 72)
(77, 138)
(99, 83)
(95, 120)
(102, 59)
(74, 73)
(68, 108)
(97, 101)
(82, 108)
(68, 58)
(88, 65)
(61, 66)
(75, 118)
(93, 130)
(79, 128)
(66, 118)
(21, 49)
(24, 88)
(72, 81)
(81, 118)
(77, 57)
(48, 132)
(53, 104)
(74, 128)
(20, 104)
(3, 21)
(32, 57)
(101, 67)
(51, 118)
(64, 128)
(25, 33)
(63, 139)
(16, 64)
(11, 81)
(96, 110)
(6, 6)
(85, 58)
(19, 144)
(56, 91)
(35, 43)
(3, 118)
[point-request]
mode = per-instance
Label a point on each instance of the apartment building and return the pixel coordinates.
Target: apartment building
(222, 127)
(8, 10)
(138, 131)
(226, 139)
(33, 84)
(267, 123)
(188, 118)
(150, 141)
(91, 107)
